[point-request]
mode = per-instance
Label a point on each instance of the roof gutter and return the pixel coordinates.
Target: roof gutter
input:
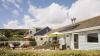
(85, 29)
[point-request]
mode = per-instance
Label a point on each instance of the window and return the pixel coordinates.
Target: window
(30, 32)
(41, 38)
(92, 37)
(67, 35)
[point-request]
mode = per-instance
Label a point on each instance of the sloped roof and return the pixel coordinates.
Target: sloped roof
(42, 31)
(92, 22)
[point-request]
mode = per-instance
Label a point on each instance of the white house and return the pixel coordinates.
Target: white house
(39, 34)
(84, 35)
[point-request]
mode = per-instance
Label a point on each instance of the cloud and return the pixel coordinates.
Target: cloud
(56, 16)
(84, 9)
(53, 16)
(28, 21)
(5, 3)
(13, 24)
(15, 12)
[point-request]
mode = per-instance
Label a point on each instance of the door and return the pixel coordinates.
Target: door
(75, 41)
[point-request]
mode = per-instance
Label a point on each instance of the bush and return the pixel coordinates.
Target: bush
(16, 44)
(32, 42)
(3, 38)
(4, 44)
(2, 41)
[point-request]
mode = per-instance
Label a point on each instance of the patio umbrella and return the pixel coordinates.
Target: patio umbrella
(56, 34)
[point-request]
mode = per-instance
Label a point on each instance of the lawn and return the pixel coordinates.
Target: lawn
(30, 52)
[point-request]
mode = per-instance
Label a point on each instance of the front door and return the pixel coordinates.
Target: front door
(75, 41)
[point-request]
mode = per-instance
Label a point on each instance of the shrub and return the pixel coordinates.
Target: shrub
(3, 38)
(32, 42)
(16, 44)
(2, 41)
(4, 44)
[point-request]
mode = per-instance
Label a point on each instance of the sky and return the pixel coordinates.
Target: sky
(23, 14)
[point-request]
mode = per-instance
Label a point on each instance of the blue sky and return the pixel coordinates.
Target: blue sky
(42, 13)
(6, 8)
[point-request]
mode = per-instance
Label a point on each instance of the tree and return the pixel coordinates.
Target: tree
(7, 33)
(3, 38)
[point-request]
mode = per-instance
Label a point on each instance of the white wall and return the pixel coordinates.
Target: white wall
(84, 45)
(69, 40)
(33, 31)
(39, 41)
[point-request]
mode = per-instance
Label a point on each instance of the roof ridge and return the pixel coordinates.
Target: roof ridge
(88, 19)
(80, 21)
(81, 24)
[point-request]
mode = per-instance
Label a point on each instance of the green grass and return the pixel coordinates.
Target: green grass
(30, 52)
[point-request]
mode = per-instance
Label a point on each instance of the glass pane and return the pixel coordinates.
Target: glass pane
(93, 37)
